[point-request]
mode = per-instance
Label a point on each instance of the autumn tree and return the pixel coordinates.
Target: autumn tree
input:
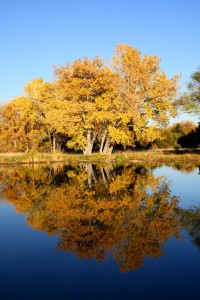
(174, 134)
(31, 122)
(92, 104)
(183, 128)
(21, 125)
(79, 85)
(42, 95)
(119, 105)
(23, 119)
(147, 95)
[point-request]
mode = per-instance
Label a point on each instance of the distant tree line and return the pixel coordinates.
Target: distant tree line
(185, 134)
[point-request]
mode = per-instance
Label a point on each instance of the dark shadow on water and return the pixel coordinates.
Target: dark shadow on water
(182, 151)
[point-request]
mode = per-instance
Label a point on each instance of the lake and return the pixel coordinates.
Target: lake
(100, 231)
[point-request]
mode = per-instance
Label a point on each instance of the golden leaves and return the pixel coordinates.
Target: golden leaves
(91, 103)
(96, 209)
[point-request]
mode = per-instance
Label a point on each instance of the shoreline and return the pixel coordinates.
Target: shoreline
(164, 156)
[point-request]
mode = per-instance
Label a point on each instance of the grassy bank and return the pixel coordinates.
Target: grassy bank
(134, 156)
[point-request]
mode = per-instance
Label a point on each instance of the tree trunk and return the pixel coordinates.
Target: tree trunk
(103, 141)
(107, 171)
(53, 142)
(103, 177)
(50, 141)
(108, 148)
(27, 147)
(90, 175)
(106, 145)
(90, 143)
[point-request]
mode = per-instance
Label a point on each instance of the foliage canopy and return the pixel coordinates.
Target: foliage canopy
(91, 105)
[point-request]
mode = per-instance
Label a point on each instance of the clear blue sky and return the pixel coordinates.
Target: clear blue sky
(36, 34)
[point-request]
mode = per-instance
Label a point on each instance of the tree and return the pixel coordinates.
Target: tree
(42, 95)
(172, 135)
(79, 85)
(92, 104)
(190, 101)
(147, 95)
(121, 105)
(183, 128)
(191, 139)
(21, 125)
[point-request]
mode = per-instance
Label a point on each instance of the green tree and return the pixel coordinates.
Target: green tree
(190, 101)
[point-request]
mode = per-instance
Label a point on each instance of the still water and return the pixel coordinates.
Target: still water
(99, 232)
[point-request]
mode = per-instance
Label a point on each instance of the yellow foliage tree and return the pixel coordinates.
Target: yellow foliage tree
(93, 104)
(42, 95)
(78, 86)
(147, 95)
(122, 105)
(21, 125)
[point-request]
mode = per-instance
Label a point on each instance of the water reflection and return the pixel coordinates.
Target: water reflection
(190, 220)
(183, 167)
(100, 210)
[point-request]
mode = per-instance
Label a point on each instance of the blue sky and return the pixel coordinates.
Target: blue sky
(34, 35)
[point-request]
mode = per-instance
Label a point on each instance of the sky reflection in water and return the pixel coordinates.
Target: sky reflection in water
(184, 184)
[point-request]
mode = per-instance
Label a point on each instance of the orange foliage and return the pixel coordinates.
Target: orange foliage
(96, 210)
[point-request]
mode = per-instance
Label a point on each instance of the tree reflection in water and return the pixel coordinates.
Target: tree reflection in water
(97, 210)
